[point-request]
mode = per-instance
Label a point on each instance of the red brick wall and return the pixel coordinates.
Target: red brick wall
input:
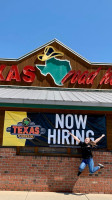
(40, 173)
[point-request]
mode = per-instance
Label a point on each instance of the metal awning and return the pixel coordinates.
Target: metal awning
(55, 96)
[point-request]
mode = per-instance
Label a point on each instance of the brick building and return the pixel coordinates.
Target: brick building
(44, 95)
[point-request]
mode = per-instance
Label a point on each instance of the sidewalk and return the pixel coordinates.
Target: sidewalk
(17, 195)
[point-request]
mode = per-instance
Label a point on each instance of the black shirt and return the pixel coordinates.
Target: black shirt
(86, 150)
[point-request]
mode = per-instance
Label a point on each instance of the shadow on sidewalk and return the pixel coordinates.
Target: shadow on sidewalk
(68, 193)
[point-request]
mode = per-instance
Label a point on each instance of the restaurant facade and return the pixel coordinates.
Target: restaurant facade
(44, 95)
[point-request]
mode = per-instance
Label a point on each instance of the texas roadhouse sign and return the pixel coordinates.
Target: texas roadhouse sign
(60, 71)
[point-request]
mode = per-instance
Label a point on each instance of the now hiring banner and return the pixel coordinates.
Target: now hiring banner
(51, 129)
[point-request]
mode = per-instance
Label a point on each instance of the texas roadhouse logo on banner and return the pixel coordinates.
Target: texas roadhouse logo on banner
(26, 129)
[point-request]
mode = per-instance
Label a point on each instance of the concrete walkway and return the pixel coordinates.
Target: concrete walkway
(16, 195)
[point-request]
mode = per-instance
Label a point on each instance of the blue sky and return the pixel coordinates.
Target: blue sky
(83, 25)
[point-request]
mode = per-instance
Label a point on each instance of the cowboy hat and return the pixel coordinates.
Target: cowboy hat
(49, 52)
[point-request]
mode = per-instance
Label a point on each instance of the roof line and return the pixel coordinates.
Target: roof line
(55, 88)
(31, 52)
(72, 51)
(48, 43)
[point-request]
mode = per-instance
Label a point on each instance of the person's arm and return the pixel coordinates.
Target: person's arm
(98, 139)
(74, 137)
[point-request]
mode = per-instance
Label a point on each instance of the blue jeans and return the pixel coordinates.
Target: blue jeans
(90, 164)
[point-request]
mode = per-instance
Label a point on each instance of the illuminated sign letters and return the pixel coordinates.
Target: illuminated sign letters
(60, 71)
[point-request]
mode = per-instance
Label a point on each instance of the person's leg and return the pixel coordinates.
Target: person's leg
(81, 167)
(92, 169)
